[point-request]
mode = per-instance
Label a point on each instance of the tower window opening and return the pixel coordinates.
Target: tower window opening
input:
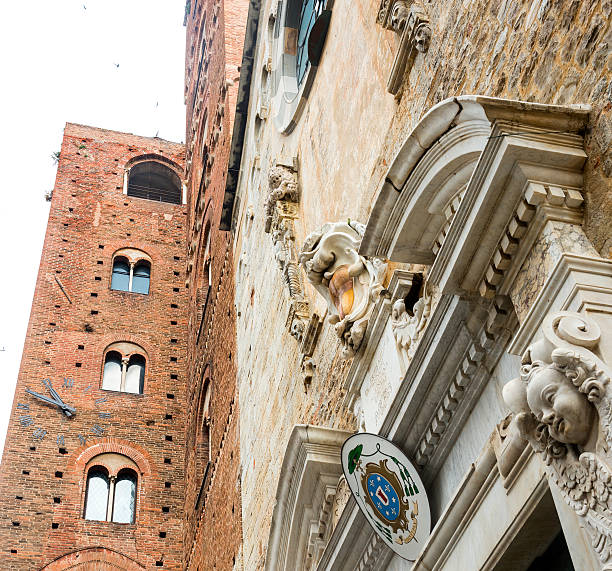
(154, 181)
(124, 369)
(110, 496)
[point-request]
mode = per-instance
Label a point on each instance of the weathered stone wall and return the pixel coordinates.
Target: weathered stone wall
(349, 132)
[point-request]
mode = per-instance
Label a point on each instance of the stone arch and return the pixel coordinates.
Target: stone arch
(94, 559)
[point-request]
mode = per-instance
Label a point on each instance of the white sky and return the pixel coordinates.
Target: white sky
(59, 64)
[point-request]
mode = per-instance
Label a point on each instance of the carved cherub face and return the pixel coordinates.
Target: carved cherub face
(556, 402)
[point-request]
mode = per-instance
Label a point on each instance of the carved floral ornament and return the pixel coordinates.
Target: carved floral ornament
(562, 405)
(350, 283)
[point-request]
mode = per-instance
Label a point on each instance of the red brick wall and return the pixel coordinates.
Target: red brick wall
(213, 526)
(42, 489)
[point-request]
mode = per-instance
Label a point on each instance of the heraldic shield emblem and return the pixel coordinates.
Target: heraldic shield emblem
(389, 492)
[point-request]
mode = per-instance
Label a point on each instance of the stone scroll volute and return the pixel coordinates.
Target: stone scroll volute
(350, 283)
(562, 407)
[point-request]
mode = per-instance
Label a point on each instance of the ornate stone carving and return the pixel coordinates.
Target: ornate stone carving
(409, 21)
(283, 185)
(407, 328)
(343, 493)
(349, 282)
(563, 407)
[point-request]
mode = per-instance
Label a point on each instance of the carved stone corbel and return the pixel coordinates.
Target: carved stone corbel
(562, 404)
(409, 20)
(407, 326)
(350, 283)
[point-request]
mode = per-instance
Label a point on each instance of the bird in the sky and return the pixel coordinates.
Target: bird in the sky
(116, 64)
(84, 7)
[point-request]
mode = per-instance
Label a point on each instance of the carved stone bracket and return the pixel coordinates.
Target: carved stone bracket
(408, 325)
(283, 185)
(562, 404)
(350, 283)
(409, 21)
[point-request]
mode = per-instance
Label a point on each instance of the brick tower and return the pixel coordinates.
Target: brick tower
(215, 36)
(93, 469)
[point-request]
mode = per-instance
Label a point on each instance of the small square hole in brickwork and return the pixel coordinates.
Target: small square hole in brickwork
(78, 364)
(116, 160)
(175, 289)
(170, 396)
(73, 180)
(61, 255)
(118, 188)
(168, 438)
(128, 234)
(174, 306)
(81, 347)
(65, 224)
(173, 359)
(162, 534)
(168, 417)
(94, 312)
(168, 484)
(101, 246)
(54, 525)
(150, 423)
(93, 294)
(71, 210)
(166, 509)
(131, 220)
(174, 376)
(33, 448)
(64, 240)
(25, 472)
(177, 258)
(58, 271)
(57, 500)
(47, 362)
(98, 278)
(13, 551)
(99, 262)
(167, 461)
(47, 342)
(177, 273)
(62, 451)
(16, 524)
(173, 323)
(51, 324)
(58, 307)
(159, 564)
(173, 340)
(59, 474)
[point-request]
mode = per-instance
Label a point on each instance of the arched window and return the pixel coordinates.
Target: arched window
(154, 181)
(111, 380)
(301, 26)
(121, 274)
(131, 271)
(124, 502)
(124, 368)
(111, 489)
(134, 375)
(96, 497)
(141, 276)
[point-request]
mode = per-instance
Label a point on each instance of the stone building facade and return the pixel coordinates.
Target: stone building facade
(389, 216)
(416, 209)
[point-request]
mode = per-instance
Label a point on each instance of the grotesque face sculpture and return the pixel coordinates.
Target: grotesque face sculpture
(556, 402)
